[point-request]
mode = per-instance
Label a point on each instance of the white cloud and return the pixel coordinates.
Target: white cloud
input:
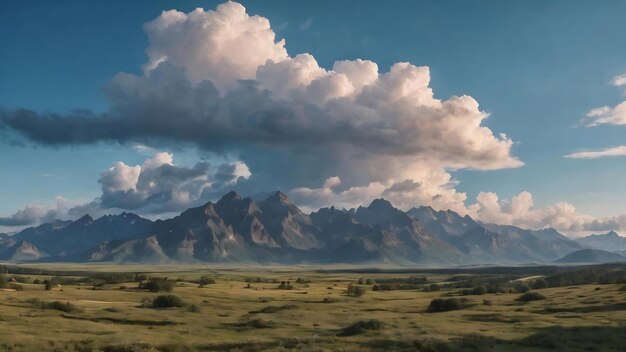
(155, 187)
(607, 115)
(159, 185)
(36, 213)
(619, 81)
(220, 81)
(220, 46)
(603, 153)
(520, 211)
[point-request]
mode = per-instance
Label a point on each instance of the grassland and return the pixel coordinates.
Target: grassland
(244, 310)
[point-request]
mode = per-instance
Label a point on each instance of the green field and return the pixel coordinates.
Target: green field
(239, 314)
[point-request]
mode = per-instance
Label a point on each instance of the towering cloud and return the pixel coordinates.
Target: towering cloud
(220, 81)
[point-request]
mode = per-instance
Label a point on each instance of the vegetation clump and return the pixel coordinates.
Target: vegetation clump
(167, 301)
(66, 307)
(205, 280)
(157, 285)
(355, 291)
(273, 309)
(530, 296)
(361, 327)
(285, 285)
(447, 304)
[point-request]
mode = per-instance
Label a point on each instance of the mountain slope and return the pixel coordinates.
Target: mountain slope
(493, 243)
(67, 238)
(610, 241)
(23, 251)
(274, 230)
(591, 256)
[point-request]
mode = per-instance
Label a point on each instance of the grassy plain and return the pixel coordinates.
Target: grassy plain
(235, 315)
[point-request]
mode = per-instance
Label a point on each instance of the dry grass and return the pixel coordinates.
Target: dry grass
(233, 317)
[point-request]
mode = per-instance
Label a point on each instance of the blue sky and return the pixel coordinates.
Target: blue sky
(536, 66)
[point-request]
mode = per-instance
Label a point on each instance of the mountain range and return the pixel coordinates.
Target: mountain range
(272, 229)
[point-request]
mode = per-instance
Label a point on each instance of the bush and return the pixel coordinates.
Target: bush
(446, 304)
(361, 327)
(205, 280)
(530, 296)
(355, 291)
(285, 285)
(167, 301)
(56, 305)
(157, 285)
(193, 309)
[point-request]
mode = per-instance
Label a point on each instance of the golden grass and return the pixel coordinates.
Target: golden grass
(231, 317)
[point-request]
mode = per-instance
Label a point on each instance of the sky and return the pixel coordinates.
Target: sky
(506, 111)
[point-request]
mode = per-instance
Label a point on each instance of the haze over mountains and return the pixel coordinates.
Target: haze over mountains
(274, 230)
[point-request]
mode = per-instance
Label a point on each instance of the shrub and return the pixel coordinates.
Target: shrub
(205, 280)
(193, 309)
(158, 285)
(285, 285)
(355, 291)
(167, 301)
(56, 305)
(361, 327)
(530, 296)
(446, 304)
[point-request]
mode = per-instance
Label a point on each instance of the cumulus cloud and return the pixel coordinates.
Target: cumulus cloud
(607, 115)
(159, 185)
(603, 153)
(155, 187)
(520, 211)
(38, 213)
(220, 81)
